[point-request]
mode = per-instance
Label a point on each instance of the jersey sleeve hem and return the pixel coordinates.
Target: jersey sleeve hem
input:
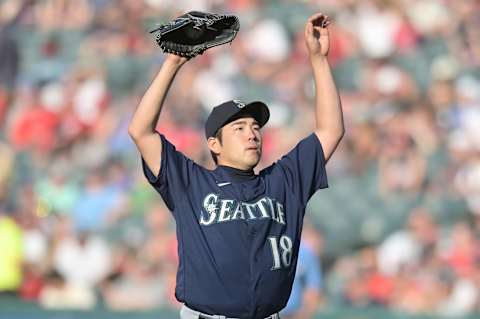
(323, 172)
(146, 170)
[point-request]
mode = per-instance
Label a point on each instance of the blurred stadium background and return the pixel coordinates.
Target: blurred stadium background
(82, 235)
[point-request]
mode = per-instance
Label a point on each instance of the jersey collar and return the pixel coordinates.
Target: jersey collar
(234, 174)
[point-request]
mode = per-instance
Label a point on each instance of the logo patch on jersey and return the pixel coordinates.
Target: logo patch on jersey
(223, 184)
(239, 104)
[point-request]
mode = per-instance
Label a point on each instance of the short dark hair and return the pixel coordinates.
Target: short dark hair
(218, 135)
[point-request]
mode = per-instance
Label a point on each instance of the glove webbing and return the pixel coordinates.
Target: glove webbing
(181, 49)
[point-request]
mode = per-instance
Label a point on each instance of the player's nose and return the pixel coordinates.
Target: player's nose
(251, 134)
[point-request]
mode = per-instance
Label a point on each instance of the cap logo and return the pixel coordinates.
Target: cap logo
(239, 103)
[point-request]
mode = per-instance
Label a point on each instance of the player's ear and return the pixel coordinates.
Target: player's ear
(214, 145)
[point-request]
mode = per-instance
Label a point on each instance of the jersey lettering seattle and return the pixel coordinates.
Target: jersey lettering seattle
(224, 210)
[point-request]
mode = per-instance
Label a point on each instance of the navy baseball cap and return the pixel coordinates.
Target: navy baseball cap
(234, 109)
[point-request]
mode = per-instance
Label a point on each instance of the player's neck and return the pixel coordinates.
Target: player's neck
(234, 165)
(236, 173)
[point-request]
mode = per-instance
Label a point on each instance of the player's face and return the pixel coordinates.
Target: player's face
(241, 145)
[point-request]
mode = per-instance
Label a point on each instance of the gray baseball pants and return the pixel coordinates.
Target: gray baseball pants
(187, 313)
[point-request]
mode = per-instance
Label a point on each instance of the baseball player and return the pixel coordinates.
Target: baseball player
(239, 232)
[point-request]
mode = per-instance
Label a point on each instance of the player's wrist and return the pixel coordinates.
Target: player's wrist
(173, 64)
(318, 60)
(176, 60)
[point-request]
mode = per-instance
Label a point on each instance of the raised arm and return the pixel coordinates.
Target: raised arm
(145, 118)
(328, 108)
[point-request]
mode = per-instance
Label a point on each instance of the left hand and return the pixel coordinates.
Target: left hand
(316, 35)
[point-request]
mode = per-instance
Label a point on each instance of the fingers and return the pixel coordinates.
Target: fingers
(319, 20)
(308, 29)
(322, 30)
(316, 16)
(317, 25)
(326, 22)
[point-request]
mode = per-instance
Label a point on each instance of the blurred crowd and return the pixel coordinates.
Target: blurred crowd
(81, 228)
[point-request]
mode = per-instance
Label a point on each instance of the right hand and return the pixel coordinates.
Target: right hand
(175, 59)
(317, 35)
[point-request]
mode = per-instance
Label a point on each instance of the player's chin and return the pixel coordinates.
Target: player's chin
(253, 159)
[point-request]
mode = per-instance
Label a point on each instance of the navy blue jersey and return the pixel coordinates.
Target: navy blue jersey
(238, 238)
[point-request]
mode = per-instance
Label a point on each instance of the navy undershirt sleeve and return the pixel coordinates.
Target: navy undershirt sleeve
(174, 175)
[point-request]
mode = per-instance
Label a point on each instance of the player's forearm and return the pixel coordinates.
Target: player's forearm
(148, 111)
(328, 107)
